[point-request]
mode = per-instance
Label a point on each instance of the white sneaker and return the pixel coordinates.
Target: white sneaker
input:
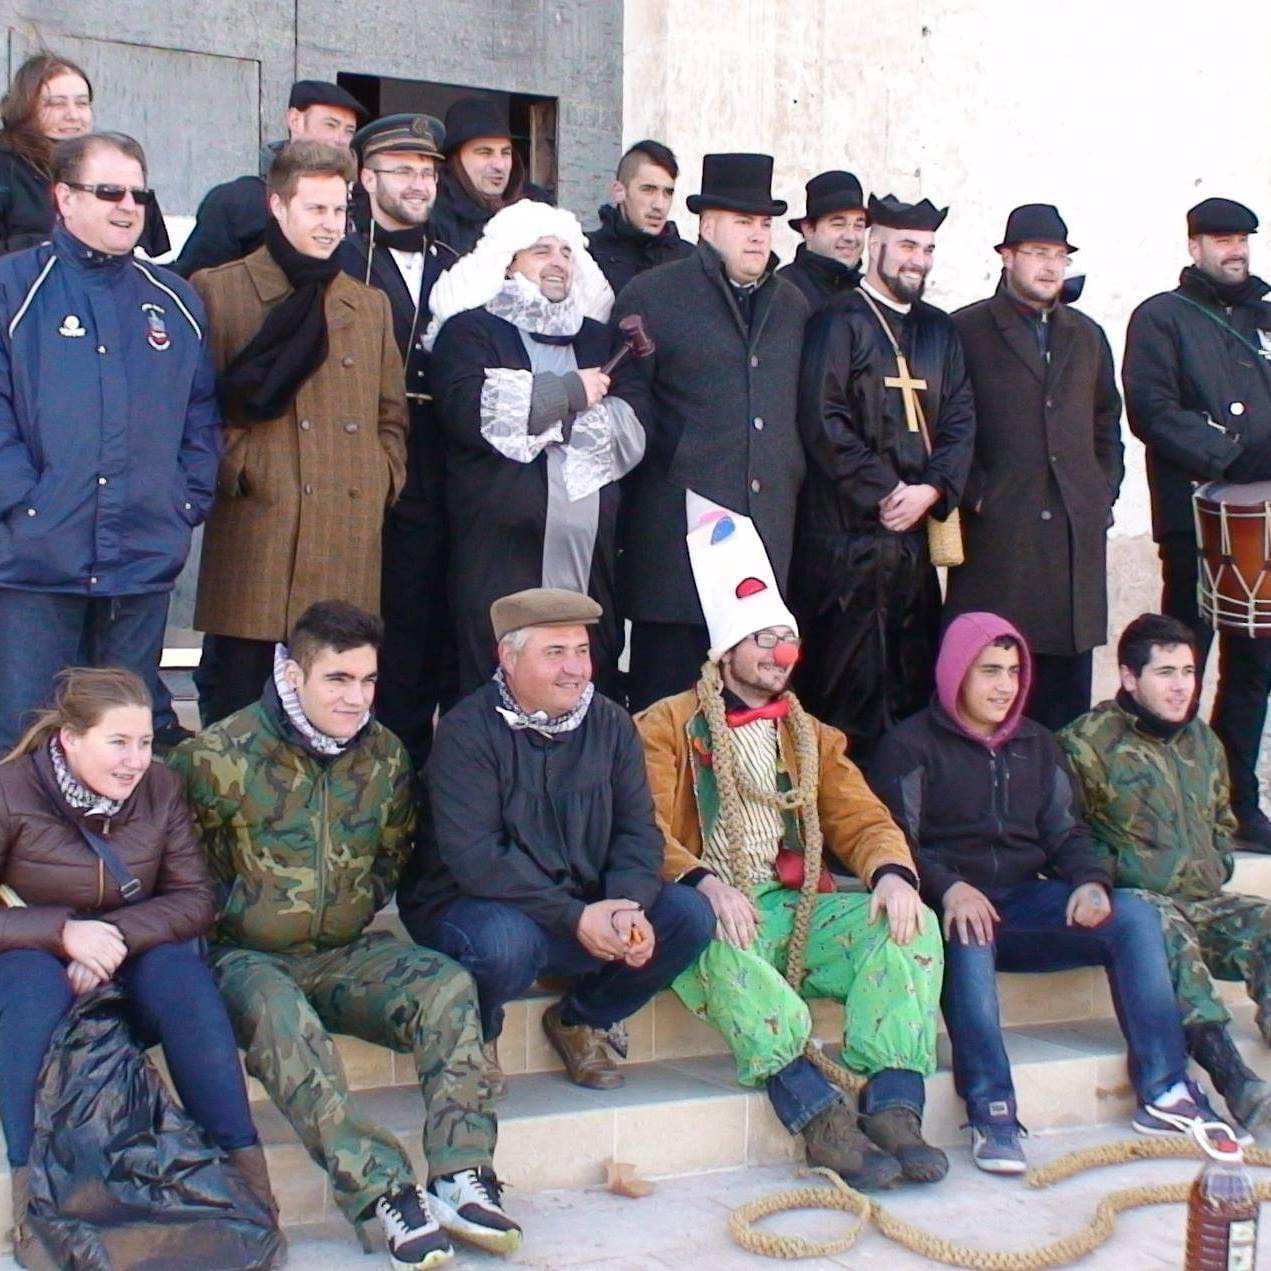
(414, 1237)
(468, 1205)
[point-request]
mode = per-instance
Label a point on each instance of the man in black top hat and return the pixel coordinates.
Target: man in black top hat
(1048, 465)
(828, 261)
(483, 172)
(398, 160)
(1198, 395)
(231, 220)
(887, 415)
(634, 233)
(722, 430)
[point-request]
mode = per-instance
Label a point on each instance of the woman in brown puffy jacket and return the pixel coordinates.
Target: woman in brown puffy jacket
(84, 770)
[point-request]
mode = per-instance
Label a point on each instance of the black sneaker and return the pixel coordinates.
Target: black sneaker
(415, 1238)
(468, 1205)
(1254, 833)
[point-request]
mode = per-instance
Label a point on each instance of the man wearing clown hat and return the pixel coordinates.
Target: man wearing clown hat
(749, 789)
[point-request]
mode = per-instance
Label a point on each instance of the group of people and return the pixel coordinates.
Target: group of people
(454, 455)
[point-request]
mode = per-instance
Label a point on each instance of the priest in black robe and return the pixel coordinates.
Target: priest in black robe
(864, 589)
(536, 434)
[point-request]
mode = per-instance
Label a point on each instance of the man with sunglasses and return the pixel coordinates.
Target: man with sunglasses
(109, 437)
(398, 160)
(748, 789)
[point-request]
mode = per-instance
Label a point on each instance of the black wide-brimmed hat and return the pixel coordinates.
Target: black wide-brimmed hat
(472, 117)
(894, 214)
(414, 134)
(827, 192)
(1035, 223)
(737, 183)
(1221, 216)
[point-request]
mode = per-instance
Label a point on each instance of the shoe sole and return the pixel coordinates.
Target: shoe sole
(436, 1258)
(455, 1224)
(1001, 1167)
(1158, 1131)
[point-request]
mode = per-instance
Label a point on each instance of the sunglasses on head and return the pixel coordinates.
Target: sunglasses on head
(113, 193)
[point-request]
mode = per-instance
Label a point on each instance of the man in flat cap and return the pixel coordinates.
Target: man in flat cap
(398, 159)
(1198, 395)
(887, 415)
(833, 225)
(545, 858)
(483, 173)
(1047, 468)
(231, 219)
(722, 426)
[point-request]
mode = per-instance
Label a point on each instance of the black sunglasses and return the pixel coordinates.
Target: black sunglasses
(113, 193)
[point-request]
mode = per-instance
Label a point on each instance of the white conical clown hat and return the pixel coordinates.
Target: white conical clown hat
(735, 582)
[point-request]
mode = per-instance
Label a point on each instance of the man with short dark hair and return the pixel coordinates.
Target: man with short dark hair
(231, 219)
(833, 227)
(635, 233)
(312, 385)
(1154, 779)
(306, 807)
(109, 437)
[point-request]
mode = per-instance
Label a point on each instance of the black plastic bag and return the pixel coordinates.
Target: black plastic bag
(121, 1177)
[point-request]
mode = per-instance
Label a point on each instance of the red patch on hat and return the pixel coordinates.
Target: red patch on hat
(750, 587)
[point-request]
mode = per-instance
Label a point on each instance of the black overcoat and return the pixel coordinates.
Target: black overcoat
(622, 251)
(820, 278)
(1048, 467)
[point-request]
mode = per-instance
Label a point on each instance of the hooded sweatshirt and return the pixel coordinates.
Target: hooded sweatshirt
(991, 811)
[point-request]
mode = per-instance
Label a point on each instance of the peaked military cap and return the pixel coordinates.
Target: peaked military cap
(418, 134)
(890, 211)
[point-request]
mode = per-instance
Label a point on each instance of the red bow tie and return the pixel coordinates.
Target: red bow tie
(779, 708)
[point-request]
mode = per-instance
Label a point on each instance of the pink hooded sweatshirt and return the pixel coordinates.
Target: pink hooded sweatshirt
(968, 636)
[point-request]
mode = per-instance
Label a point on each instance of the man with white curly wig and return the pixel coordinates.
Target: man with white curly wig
(537, 435)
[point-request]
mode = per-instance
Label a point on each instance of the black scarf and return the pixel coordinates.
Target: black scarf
(412, 239)
(1226, 295)
(1153, 725)
(263, 380)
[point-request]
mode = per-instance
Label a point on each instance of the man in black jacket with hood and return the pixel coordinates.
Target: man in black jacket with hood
(1198, 395)
(988, 807)
(634, 233)
(833, 226)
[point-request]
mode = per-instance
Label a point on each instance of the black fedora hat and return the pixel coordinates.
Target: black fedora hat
(1035, 223)
(827, 192)
(737, 183)
(472, 117)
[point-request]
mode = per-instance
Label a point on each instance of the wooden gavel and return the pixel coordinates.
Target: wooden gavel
(635, 340)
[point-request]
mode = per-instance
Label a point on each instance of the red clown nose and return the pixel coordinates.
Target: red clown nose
(785, 655)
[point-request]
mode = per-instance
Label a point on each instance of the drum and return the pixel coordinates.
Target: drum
(1233, 539)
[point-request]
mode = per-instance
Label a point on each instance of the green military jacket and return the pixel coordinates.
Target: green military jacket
(307, 847)
(1160, 809)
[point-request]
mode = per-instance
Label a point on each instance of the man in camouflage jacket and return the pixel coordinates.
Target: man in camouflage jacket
(306, 807)
(1154, 779)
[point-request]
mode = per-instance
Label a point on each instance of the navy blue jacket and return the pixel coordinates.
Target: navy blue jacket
(109, 428)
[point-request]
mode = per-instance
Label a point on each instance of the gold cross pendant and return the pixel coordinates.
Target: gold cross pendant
(907, 385)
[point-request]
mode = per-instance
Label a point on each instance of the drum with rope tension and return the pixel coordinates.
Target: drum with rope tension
(1233, 540)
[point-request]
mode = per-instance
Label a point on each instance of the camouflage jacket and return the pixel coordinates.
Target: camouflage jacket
(1160, 808)
(306, 847)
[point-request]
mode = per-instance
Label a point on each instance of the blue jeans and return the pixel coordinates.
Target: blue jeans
(505, 952)
(43, 632)
(173, 1000)
(1034, 936)
(799, 1092)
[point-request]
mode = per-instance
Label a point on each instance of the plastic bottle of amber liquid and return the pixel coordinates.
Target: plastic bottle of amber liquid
(1222, 1211)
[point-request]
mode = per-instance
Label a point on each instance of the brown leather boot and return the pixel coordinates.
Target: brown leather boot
(252, 1169)
(586, 1059)
(898, 1131)
(833, 1139)
(498, 1079)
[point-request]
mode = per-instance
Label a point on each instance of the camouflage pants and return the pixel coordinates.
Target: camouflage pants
(411, 999)
(1226, 937)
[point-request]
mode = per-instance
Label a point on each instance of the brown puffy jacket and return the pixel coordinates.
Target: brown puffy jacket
(45, 860)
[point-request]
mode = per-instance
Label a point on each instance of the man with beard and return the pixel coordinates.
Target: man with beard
(399, 156)
(887, 415)
(1198, 395)
(1047, 465)
(634, 233)
(833, 226)
(483, 173)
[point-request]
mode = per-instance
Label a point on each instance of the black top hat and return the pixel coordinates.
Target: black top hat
(317, 92)
(894, 214)
(472, 117)
(737, 183)
(828, 192)
(417, 134)
(1221, 216)
(1035, 223)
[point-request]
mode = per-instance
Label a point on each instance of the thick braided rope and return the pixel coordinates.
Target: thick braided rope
(803, 800)
(1057, 1253)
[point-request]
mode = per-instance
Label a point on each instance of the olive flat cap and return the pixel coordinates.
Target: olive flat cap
(542, 607)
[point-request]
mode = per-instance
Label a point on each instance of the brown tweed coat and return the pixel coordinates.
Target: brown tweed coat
(300, 499)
